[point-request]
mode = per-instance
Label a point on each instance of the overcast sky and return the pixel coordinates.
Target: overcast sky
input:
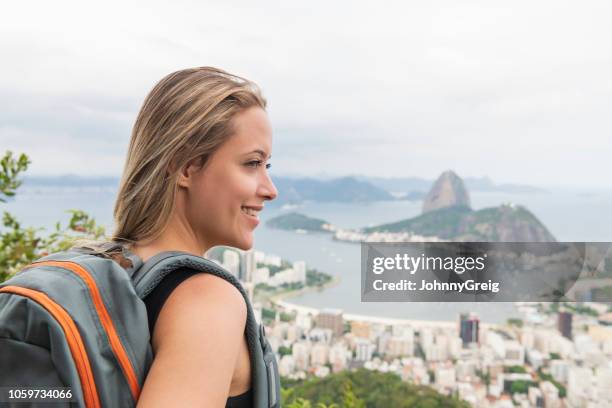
(518, 91)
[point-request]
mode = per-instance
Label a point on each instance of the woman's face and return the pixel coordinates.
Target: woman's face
(225, 196)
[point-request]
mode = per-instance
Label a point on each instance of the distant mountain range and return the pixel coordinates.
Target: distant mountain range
(297, 190)
(70, 180)
(414, 184)
(345, 189)
(447, 215)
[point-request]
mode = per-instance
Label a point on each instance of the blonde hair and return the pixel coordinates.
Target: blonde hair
(185, 117)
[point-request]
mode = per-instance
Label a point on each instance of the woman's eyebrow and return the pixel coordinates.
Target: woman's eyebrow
(261, 153)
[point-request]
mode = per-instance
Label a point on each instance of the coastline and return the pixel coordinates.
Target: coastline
(281, 300)
(275, 299)
(286, 306)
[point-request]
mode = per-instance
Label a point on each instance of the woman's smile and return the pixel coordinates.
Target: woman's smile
(252, 214)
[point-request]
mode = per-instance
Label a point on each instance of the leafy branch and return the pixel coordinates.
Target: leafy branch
(11, 167)
(19, 246)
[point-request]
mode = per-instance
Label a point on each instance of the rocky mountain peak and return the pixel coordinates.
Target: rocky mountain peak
(448, 191)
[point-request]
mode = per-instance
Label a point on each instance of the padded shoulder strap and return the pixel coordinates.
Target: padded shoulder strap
(159, 266)
(265, 381)
(142, 274)
(106, 249)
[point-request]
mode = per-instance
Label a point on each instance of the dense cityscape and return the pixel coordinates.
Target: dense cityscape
(556, 355)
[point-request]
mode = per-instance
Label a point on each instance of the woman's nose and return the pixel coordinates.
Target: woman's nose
(267, 188)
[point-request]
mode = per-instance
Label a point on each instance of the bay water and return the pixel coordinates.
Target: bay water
(569, 214)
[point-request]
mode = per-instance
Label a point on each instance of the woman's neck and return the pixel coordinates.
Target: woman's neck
(177, 236)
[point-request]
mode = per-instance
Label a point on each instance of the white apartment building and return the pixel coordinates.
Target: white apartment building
(559, 369)
(579, 385)
(300, 271)
(363, 349)
(231, 262)
(319, 354)
(603, 385)
(301, 355)
(400, 346)
(339, 356)
(261, 275)
(550, 394)
(445, 377)
(272, 260)
(286, 365)
(303, 320)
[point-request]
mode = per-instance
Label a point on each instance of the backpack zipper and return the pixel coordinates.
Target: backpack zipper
(105, 319)
(73, 337)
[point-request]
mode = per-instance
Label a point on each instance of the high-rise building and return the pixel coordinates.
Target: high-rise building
(360, 329)
(363, 349)
(231, 262)
(303, 320)
(300, 271)
(445, 376)
(261, 275)
(400, 346)
(338, 357)
(247, 265)
(468, 328)
(273, 260)
(564, 324)
(319, 354)
(286, 366)
(301, 355)
(331, 319)
(514, 353)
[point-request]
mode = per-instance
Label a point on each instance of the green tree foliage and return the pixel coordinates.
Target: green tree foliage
(547, 377)
(484, 376)
(10, 169)
(365, 388)
(20, 246)
(349, 400)
(515, 322)
(520, 387)
(302, 403)
(516, 369)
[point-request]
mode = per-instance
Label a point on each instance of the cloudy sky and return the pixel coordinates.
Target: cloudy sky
(518, 91)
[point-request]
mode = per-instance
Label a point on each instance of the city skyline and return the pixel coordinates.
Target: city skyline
(533, 360)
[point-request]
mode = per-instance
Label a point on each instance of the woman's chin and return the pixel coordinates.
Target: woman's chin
(244, 244)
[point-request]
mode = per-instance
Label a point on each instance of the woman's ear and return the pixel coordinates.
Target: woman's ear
(185, 176)
(186, 173)
(183, 179)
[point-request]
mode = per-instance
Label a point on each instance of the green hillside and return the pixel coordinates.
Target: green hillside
(292, 221)
(505, 223)
(443, 223)
(365, 388)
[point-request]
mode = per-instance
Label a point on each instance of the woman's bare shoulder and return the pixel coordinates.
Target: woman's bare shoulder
(196, 341)
(199, 303)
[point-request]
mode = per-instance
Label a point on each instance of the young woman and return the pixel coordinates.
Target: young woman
(196, 177)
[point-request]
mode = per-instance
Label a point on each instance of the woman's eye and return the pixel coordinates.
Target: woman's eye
(257, 163)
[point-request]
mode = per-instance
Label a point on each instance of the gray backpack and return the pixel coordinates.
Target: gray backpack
(77, 320)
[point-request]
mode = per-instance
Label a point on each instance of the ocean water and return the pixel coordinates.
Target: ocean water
(570, 215)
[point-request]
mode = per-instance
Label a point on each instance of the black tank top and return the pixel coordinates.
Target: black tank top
(154, 302)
